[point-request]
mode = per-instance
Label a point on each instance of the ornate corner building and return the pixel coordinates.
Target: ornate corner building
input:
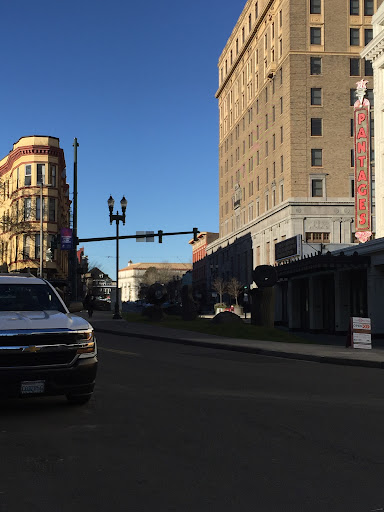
(287, 82)
(34, 199)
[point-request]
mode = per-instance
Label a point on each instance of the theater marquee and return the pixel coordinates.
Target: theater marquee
(362, 165)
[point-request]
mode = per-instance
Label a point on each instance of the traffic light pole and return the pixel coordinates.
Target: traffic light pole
(74, 226)
(159, 234)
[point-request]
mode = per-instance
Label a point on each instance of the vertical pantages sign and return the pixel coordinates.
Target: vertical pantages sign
(362, 164)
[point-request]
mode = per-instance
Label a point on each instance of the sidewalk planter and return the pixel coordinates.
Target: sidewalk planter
(219, 308)
(238, 310)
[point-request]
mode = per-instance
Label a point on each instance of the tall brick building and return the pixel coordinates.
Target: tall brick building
(287, 79)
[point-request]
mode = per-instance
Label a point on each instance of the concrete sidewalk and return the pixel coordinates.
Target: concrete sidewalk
(102, 321)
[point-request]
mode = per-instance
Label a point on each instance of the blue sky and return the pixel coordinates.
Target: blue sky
(135, 83)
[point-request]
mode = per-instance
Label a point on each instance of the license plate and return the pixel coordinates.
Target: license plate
(30, 387)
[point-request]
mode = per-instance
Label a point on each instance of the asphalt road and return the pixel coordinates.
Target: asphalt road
(179, 428)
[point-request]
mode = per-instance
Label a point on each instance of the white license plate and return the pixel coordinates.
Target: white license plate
(29, 387)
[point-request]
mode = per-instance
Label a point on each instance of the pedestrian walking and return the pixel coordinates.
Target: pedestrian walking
(88, 303)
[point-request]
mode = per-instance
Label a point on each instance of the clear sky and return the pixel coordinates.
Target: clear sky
(135, 82)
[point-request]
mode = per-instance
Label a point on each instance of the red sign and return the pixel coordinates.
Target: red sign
(362, 167)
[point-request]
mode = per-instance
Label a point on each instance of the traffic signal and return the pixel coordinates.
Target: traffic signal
(160, 233)
(55, 240)
(195, 231)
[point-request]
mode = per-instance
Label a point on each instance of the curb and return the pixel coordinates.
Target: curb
(253, 350)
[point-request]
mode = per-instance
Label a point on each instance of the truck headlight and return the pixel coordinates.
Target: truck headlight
(88, 346)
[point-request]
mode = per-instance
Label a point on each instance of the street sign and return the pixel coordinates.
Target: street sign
(66, 239)
(289, 248)
(145, 236)
(361, 332)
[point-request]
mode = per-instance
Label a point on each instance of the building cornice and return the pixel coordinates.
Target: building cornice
(245, 46)
(31, 150)
(375, 48)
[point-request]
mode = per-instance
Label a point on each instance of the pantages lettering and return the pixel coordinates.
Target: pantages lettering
(362, 167)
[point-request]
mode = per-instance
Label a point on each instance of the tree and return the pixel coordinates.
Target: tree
(234, 288)
(157, 275)
(219, 286)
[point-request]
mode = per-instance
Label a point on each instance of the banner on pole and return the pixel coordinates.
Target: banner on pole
(66, 239)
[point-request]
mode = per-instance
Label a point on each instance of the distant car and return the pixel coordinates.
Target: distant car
(102, 305)
(44, 349)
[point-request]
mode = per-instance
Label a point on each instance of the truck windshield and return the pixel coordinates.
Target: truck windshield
(32, 297)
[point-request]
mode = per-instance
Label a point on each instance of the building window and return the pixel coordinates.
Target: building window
(40, 174)
(368, 7)
(315, 35)
(368, 35)
(52, 175)
(250, 22)
(315, 7)
(317, 237)
(352, 97)
(317, 187)
(316, 127)
(27, 208)
(368, 68)
(281, 17)
(315, 96)
(316, 157)
(37, 215)
(266, 121)
(352, 189)
(273, 114)
(354, 36)
(26, 247)
(354, 7)
(369, 95)
(256, 10)
(27, 175)
(282, 192)
(281, 105)
(315, 65)
(281, 163)
(52, 209)
(281, 134)
(352, 127)
(354, 67)
(37, 246)
(352, 158)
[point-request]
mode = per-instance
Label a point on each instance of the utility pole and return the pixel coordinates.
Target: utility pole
(74, 231)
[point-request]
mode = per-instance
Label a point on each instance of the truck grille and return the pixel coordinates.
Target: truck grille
(39, 339)
(37, 359)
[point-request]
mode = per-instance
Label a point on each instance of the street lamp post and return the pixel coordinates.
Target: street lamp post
(116, 217)
(41, 227)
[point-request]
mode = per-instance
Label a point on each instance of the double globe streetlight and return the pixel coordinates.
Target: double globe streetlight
(116, 217)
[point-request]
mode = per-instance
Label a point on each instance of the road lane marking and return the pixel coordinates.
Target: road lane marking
(123, 352)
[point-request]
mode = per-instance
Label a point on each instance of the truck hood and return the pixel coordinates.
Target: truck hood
(41, 320)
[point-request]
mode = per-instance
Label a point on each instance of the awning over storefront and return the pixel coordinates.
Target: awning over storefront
(322, 263)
